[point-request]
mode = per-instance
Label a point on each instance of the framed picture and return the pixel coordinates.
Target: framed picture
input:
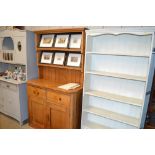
(75, 41)
(46, 57)
(47, 40)
(59, 58)
(74, 60)
(62, 40)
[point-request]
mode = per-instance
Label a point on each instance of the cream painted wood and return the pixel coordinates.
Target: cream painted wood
(115, 97)
(113, 116)
(11, 102)
(20, 56)
(103, 121)
(91, 125)
(136, 54)
(118, 73)
(14, 93)
(135, 66)
(118, 86)
(1, 54)
(111, 105)
(1, 99)
(11, 106)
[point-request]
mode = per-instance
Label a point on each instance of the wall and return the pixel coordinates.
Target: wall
(33, 28)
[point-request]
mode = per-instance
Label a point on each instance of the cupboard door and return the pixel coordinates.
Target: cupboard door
(58, 117)
(11, 100)
(1, 53)
(1, 99)
(37, 112)
(20, 49)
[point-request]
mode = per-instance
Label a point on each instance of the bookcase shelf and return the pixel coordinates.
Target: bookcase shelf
(113, 115)
(92, 125)
(115, 97)
(137, 54)
(118, 73)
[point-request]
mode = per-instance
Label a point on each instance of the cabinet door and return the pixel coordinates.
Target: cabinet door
(1, 50)
(11, 100)
(58, 117)
(1, 99)
(37, 112)
(20, 50)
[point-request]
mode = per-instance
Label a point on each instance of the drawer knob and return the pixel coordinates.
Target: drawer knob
(59, 99)
(34, 92)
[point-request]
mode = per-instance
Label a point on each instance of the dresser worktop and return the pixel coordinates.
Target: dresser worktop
(42, 83)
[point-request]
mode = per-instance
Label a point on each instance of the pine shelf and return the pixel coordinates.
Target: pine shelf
(59, 66)
(117, 75)
(113, 116)
(115, 97)
(58, 49)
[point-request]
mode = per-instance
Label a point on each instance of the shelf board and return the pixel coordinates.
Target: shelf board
(58, 49)
(92, 125)
(115, 97)
(119, 54)
(59, 66)
(117, 75)
(113, 116)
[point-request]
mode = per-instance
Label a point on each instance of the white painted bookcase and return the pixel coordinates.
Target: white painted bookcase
(119, 69)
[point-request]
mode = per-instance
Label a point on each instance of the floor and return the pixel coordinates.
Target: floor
(7, 122)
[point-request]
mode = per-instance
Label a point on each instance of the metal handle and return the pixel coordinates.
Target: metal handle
(8, 86)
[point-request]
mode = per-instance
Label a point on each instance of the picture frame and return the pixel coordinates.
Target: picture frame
(75, 41)
(74, 59)
(46, 57)
(59, 58)
(47, 40)
(62, 40)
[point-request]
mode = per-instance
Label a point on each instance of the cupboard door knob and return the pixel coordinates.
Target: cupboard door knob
(59, 99)
(37, 93)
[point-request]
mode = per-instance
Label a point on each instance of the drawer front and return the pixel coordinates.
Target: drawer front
(36, 92)
(58, 98)
(9, 86)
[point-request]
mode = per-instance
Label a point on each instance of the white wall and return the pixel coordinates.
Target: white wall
(33, 28)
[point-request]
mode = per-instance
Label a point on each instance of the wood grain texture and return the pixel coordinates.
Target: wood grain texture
(66, 30)
(60, 109)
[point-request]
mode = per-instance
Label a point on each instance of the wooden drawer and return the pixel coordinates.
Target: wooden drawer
(36, 92)
(58, 98)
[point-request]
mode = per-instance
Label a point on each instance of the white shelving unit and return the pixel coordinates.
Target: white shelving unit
(119, 70)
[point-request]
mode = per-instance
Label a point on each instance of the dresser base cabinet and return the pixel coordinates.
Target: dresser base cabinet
(52, 109)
